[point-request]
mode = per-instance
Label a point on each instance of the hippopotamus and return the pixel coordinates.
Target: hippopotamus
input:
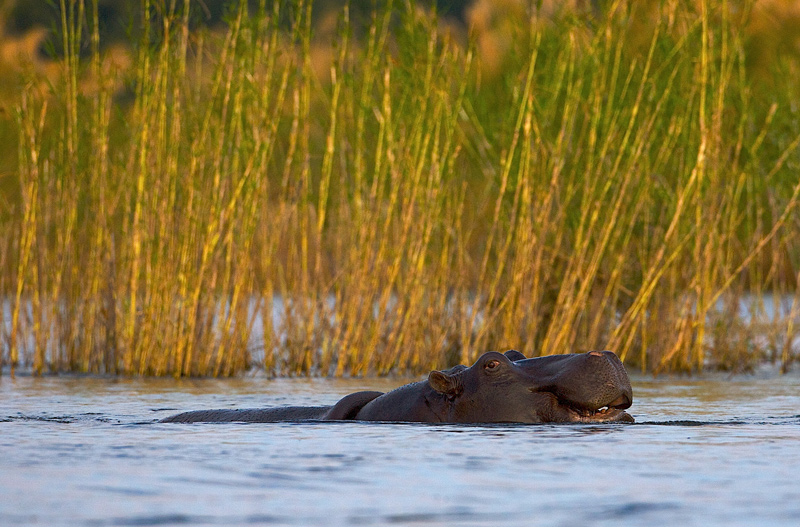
(588, 387)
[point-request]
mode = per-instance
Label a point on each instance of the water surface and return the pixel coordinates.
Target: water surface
(87, 451)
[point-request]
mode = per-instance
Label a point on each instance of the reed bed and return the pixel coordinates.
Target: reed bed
(620, 182)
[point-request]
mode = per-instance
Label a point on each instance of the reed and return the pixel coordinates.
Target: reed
(409, 208)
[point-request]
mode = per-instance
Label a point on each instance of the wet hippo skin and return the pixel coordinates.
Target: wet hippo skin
(589, 387)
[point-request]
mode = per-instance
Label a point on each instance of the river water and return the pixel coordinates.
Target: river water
(88, 451)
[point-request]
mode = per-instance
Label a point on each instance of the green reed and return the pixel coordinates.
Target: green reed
(405, 210)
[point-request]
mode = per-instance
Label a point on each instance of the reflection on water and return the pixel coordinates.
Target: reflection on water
(87, 451)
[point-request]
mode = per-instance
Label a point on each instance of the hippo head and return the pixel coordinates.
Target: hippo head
(589, 387)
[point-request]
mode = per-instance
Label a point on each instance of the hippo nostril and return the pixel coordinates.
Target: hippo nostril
(596, 353)
(623, 401)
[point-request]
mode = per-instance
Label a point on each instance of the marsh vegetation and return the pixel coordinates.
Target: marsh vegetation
(389, 195)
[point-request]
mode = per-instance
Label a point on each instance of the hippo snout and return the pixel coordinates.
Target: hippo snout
(585, 383)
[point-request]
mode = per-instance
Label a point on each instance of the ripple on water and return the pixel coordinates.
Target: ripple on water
(637, 508)
(154, 520)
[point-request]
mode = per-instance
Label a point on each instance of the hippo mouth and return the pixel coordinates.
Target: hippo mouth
(613, 412)
(603, 415)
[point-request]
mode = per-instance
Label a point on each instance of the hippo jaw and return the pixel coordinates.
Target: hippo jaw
(613, 412)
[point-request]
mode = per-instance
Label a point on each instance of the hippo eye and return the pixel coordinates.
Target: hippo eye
(492, 364)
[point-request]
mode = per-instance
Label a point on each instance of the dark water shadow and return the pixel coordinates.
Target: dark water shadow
(459, 428)
(154, 520)
(65, 419)
(626, 511)
(443, 427)
(450, 517)
(769, 420)
(62, 419)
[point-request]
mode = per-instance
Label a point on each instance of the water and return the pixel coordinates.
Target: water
(87, 451)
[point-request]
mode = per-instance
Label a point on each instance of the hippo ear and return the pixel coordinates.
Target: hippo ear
(514, 355)
(445, 383)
